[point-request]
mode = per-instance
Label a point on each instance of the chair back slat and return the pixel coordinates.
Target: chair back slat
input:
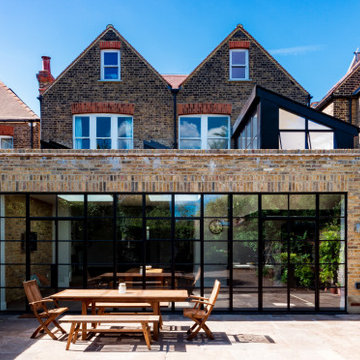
(213, 296)
(32, 292)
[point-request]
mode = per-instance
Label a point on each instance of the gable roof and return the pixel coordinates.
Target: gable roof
(108, 28)
(353, 69)
(240, 28)
(174, 80)
(12, 107)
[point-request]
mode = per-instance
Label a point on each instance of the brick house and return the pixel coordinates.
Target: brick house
(343, 99)
(19, 125)
(150, 193)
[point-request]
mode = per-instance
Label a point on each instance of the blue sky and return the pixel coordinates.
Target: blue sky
(313, 40)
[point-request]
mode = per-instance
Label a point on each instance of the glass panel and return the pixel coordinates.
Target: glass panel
(275, 252)
(187, 276)
(302, 242)
(332, 229)
(302, 205)
(190, 127)
(216, 229)
(158, 252)
(99, 274)
(158, 205)
(220, 272)
(187, 252)
(332, 298)
(275, 205)
(218, 144)
(158, 229)
(14, 298)
(100, 252)
(187, 229)
(246, 299)
(82, 144)
(275, 298)
(100, 229)
(216, 205)
(111, 58)
(190, 144)
(275, 230)
(13, 229)
(100, 205)
(321, 140)
(331, 272)
(129, 252)
(245, 229)
(70, 275)
(245, 254)
(103, 125)
(124, 144)
(292, 140)
(332, 205)
(129, 229)
(103, 143)
(111, 73)
(302, 298)
(42, 205)
(245, 205)
(43, 230)
(124, 127)
(274, 275)
(218, 126)
(14, 206)
(187, 205)
(215, 252)
(70, 205)
(315, 126)
(129, 205)
(82, 126)
(291, 121)
(238, 72)
(238, 57)
(6, 143)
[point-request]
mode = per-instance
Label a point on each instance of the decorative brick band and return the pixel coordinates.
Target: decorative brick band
(102, 108)
(6, 130)
(204, 108)
(110, 44)
(243, 44)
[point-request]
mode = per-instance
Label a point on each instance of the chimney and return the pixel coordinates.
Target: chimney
(44, 76)
(357, 56)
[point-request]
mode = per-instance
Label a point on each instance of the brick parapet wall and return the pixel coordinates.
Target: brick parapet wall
(193, 171)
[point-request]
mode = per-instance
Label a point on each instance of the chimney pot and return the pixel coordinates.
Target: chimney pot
(46, 63)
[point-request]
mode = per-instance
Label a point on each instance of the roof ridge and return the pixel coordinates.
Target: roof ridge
(78, 58)
(18, 100)
(338, 84)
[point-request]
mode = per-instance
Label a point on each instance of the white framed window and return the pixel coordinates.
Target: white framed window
(204, 132)
(239, 64)
(110, 65)
(6, 142)
(103, 131)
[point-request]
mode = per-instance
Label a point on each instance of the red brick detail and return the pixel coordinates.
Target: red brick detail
(204, 108)
(239, 44)
(6, 130)
(110, 44)
(102, 108)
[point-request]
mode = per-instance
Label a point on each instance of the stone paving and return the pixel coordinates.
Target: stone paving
(294, 337)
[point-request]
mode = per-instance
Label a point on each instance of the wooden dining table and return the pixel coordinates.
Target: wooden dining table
(89, 297)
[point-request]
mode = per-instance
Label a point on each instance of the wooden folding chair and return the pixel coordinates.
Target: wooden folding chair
(44, 315)
(199, 315)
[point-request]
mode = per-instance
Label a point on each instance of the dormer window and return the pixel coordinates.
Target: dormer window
(239, 64)
(110, 65)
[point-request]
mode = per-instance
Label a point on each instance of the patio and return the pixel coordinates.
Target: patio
(236, 336)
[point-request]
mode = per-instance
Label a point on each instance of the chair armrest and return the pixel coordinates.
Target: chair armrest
(41, 301)
(198, 297)
(202, 302)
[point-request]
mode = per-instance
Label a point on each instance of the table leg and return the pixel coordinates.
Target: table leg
(84, 306)
(156, 311)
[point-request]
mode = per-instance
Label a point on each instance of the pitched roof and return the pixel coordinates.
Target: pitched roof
(12, 107)
(108, 28)
(354, 67)
(240, 27)
(174, 80)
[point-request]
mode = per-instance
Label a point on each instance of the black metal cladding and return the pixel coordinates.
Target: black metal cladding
(299, 222)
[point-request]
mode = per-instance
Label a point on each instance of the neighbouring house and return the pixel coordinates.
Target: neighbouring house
(19, 125)
(154, 190)
(343, 99)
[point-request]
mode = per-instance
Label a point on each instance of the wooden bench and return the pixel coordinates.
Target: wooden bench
(77, 320)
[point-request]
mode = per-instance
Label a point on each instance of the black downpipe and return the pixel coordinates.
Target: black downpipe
(350, 117)
(175, 92)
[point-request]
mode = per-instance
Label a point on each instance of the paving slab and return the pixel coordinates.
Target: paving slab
(295, 337)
